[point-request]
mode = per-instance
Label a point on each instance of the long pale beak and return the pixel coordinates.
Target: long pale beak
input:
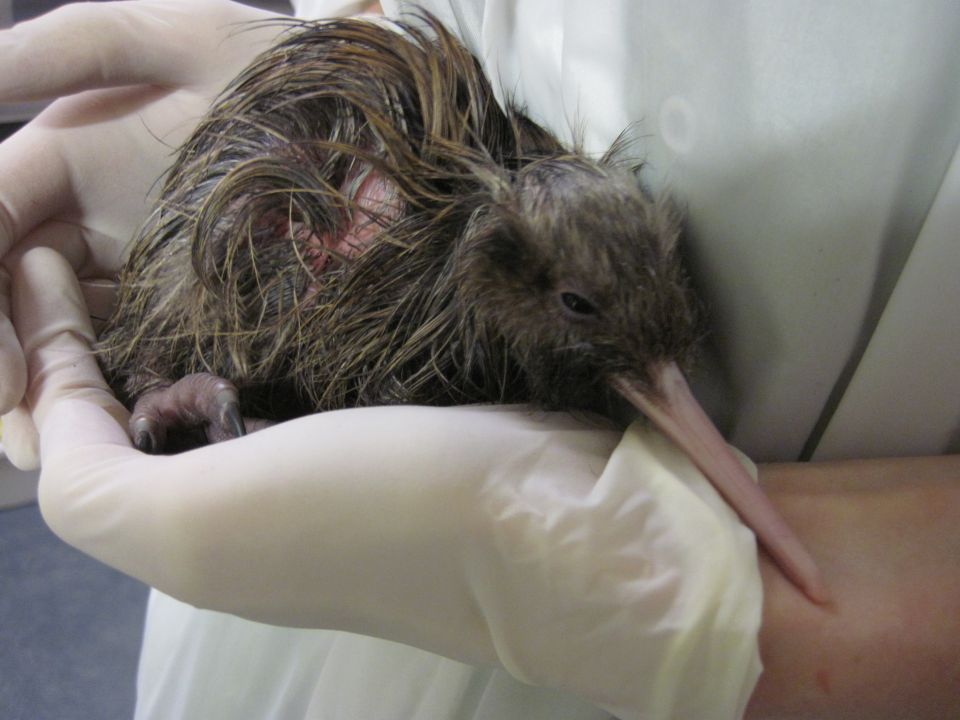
(678, 415)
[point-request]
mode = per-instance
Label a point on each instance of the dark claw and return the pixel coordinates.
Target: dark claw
(195, 405)
(232, 419)
(145, 442)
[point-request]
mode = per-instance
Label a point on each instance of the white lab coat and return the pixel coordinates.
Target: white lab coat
(815, 148)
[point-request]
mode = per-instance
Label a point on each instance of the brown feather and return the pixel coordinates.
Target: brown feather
(457, 298)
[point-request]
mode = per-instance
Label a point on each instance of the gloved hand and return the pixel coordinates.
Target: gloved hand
(134, 78)
(574, 558)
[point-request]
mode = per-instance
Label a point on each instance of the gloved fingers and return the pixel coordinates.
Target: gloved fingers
(91, 161)
(96, 45)
(76, 47)
(20, 440)
(95, 490)
(34, 185)
(73, 161)
(67, 240)
(55, 331)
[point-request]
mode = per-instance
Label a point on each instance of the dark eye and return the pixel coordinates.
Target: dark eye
(577, 304)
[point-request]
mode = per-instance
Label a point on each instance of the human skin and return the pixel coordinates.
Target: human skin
(886, 534)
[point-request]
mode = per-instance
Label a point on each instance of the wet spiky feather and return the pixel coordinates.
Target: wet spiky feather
(454, 299)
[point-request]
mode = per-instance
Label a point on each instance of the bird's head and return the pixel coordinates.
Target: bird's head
(577, 268)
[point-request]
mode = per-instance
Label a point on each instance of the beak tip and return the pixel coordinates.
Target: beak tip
(680, 417)
(815, 587)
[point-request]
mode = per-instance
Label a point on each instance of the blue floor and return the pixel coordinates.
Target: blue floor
(70, 628)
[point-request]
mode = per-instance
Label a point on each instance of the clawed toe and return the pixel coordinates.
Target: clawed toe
(200, 400)
(148, 435)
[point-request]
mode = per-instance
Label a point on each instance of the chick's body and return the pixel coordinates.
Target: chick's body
(357, 222)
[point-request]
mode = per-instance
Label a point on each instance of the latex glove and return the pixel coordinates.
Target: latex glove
(574, 558)
(79, 177)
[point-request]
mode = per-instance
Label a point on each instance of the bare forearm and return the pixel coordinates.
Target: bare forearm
(887, 536)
